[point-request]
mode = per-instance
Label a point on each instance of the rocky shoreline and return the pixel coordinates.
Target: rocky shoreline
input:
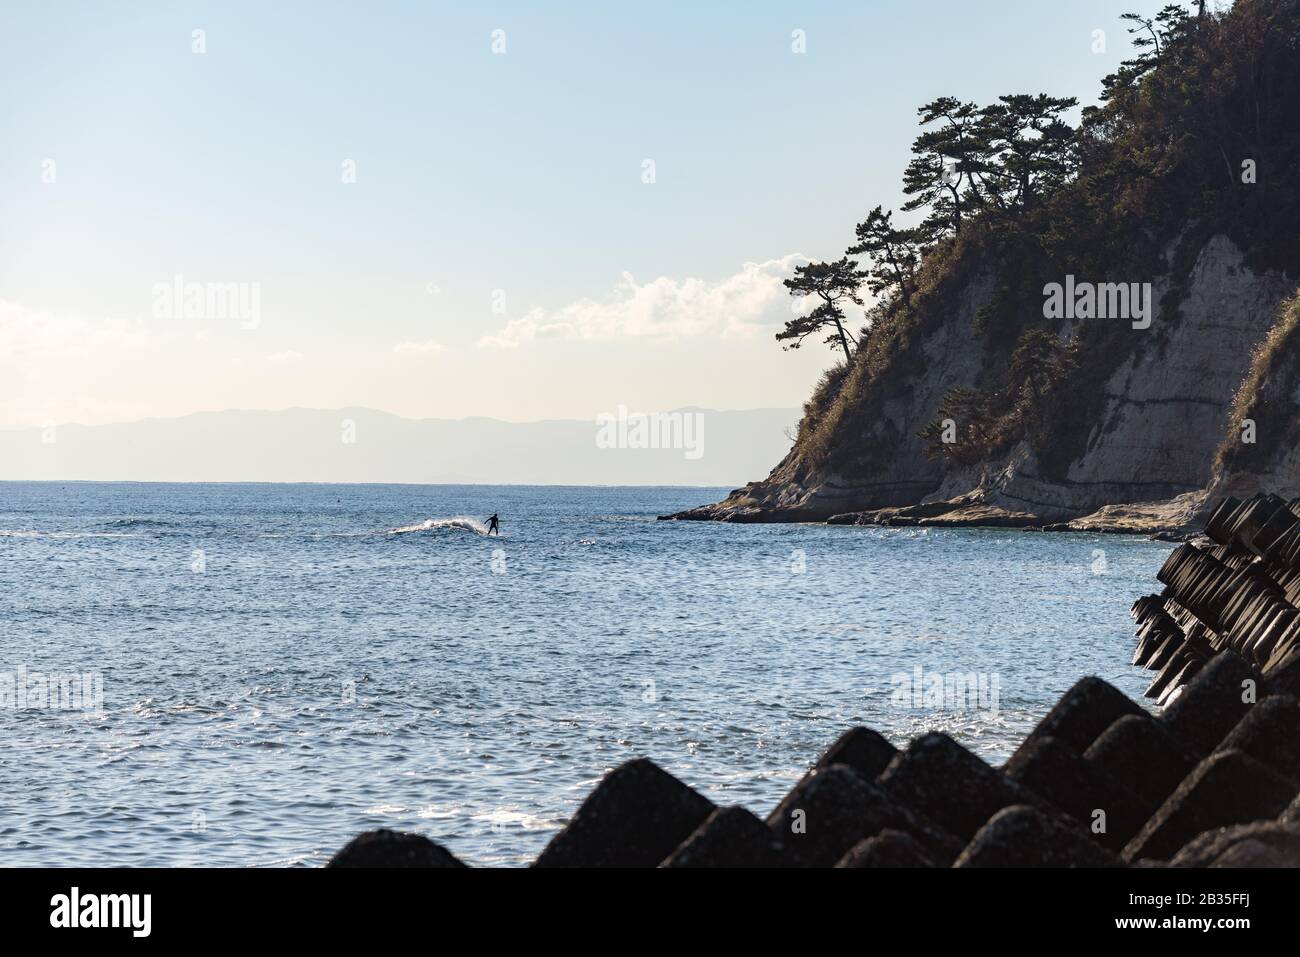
(1212, 780)
(1173, 520)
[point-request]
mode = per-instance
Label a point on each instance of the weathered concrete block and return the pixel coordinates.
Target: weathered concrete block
(1022, 836)
(385, 848)
(1085, 711)
(1228, 787)
(1214, 701)
(1174, 688)
(861, 749)
(1270, 733)
(1291, 814)
(889, 848)
(834, 808)
(1104, 807)
(1284, 674)
(1261, 844)
(1172, 668)
(1141, 753)
(1164, 652)
(635, 817)
(1146, 646)
(939, 778)
(729, 837)
(1282, 669)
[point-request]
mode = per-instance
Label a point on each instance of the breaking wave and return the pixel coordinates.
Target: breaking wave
(462, 522)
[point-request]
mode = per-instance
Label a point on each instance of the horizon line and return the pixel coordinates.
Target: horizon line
(395, 415)
(4, 481)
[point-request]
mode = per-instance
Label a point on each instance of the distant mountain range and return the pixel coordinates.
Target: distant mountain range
(684, 447)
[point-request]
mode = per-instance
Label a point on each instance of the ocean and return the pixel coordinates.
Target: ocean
(267, 670)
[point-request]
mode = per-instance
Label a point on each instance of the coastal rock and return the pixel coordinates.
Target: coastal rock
(1229, 787)
(1023, 836)
(889, 848)
(385, 848)
(1178, 386)
(729, 837)
(636, 817)
(885, 516)
(960, 513)
(897, 410)
(1173, 519)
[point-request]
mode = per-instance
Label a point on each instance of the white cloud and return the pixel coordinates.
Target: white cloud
(750, 302)
(28, 334)
(428, 347)
(48, 365)
(288, 356)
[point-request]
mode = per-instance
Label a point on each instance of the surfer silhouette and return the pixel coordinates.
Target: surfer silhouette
(492, 525)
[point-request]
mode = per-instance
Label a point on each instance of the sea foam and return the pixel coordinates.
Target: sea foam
(463, 522)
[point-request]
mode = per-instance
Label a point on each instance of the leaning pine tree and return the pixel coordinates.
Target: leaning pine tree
(834, 283)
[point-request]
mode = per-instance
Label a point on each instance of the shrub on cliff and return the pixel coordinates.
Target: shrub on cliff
(1197, 135)
(1265, 405)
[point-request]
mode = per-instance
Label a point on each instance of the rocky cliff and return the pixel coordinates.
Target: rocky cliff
(1176, 194)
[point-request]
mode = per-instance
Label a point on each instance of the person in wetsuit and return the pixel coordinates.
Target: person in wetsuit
(492, 525)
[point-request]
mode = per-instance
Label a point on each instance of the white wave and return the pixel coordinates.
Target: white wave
(462, 522)
(499, 819)
(31, 533)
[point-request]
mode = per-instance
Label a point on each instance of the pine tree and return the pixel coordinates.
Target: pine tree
(944, 160)
(833, 283)
(1029, 149)
(894, 254)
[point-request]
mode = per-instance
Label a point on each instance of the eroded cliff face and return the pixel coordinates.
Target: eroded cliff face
(1167, 406)
(1261, 449)
(895, 408)
(1148, 457)
(1178, 179)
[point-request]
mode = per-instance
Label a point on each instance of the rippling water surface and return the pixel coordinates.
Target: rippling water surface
(281, 669)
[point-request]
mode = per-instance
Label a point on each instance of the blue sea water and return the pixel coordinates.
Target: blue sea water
(282, 670)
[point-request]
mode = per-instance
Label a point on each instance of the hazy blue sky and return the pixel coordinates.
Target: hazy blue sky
(499, 252)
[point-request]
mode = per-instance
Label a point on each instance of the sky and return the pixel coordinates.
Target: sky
(523, 211)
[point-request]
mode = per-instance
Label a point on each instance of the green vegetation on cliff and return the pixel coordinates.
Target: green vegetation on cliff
(1197, 135)
(1266, 402)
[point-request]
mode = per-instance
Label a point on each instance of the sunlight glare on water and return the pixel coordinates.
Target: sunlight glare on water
(282, 670)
